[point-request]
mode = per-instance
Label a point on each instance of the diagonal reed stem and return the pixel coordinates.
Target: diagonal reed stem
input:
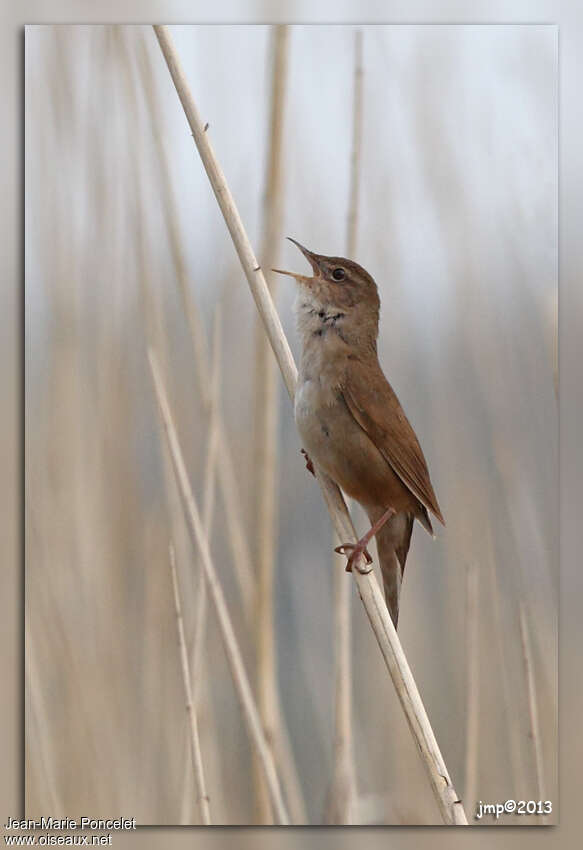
(450, 806)
(241, 556)
(200, 541)
(208, 506)
(223, 460)
(201, 794)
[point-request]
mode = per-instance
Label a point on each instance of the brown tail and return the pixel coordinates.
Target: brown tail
(393, 545)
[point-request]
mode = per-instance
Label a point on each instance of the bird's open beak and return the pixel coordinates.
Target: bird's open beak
(310, 257)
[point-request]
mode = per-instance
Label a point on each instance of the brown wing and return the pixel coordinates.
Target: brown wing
(374, 405)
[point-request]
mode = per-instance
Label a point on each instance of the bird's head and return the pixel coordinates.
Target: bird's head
(339, 290)
(337, 282)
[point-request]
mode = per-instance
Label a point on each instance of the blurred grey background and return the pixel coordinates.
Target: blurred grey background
(457, 223)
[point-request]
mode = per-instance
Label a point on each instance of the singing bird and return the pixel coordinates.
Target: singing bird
(349, 419)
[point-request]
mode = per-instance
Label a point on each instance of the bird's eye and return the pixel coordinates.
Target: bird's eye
(338, 274)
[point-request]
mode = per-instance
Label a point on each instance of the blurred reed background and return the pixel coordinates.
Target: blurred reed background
(125, 246)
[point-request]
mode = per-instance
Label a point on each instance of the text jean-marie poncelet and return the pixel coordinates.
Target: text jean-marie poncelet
(71, 823)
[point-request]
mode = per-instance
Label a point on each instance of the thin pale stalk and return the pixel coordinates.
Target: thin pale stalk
(201, 794)
(237, 539)
(343, 788)
(233, 653)
(193, 318)
(208, 491)
(226, 477)
(207, 520)
(225, 472)
(534, 727)
(448, 801)
(472, 684)
(226, 203)
(157, 337)
(265, 436)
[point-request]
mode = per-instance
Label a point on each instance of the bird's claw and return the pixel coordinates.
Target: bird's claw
(356, 550)
(309, 464)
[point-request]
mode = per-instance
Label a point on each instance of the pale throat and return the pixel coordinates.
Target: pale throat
(315, 318)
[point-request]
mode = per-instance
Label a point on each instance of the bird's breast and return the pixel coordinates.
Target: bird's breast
(337, 443)
(316, 400)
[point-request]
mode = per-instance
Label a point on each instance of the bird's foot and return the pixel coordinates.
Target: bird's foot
(359, 548)
(309, 464)
(356, 550)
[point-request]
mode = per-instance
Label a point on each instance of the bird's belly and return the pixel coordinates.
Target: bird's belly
(337, 443)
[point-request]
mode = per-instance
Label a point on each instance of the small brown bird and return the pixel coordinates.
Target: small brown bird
(349, 418)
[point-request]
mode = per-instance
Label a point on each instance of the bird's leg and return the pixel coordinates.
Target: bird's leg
(359, 548)
(309, 464)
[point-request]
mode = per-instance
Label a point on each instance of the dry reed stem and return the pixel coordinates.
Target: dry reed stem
(208, 493)
(472, 684)
(534, 730)
(240, 551)
(197, 765)
(226, 475)
(199, 541)
(265, 436)
(207, 521)
(450, 806)
(246, 256)
(172, 223)
(240, 554)
(343, 787)
(156, 338)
